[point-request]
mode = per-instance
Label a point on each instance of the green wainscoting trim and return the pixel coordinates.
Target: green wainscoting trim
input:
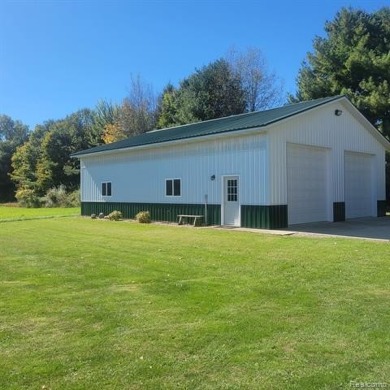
(381, 206)
(258, 217)
(264, 217)
(165, 212)
(338, 211)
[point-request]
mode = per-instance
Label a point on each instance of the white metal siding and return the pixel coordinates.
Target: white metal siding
(359, 185)
(139, 175)
(320, 127)
(307, 184)
(260, 161)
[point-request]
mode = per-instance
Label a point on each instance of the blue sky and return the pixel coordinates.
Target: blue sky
(59, 56)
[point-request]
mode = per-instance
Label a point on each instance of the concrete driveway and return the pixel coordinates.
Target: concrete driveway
(366, 228)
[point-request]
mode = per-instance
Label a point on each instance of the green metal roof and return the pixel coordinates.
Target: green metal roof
(215, 126)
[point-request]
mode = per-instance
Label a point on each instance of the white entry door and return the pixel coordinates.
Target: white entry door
(231, 204)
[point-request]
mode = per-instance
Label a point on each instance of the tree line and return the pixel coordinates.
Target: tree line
(32, 163)
(352, 59)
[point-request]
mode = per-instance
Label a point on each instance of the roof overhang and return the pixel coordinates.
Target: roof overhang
(342, 100)
(186, 141)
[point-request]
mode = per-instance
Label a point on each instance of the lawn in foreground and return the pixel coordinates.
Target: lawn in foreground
(8, 213)
(90, 304)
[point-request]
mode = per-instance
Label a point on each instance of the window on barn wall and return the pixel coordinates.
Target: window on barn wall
(173, 187)
(106, 188)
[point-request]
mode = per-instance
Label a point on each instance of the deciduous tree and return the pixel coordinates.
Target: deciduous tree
(261, 87)
(44, 160)
(106, 121)
(112, 132)
(25, 158)
(137, 113)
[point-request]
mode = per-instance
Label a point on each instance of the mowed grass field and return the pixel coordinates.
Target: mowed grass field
(95, 304)
(14, 213)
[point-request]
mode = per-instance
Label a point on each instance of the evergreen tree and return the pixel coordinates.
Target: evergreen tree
(353, 60)
(238, 83)
(212, 92)
(12, 135)
(167, 110)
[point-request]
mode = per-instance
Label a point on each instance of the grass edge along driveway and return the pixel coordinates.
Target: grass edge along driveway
(118, 305)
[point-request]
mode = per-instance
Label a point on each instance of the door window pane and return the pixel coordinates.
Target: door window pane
(232, 190)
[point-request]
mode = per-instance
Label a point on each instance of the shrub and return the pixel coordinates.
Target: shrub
(74, 199)
(115, 216)
(55, 197)
(143, 217)
(59, 197)
(27, 197)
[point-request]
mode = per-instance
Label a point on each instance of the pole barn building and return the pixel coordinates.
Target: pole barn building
(313, 161)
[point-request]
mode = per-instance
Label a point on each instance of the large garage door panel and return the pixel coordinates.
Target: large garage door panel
(358, 185)
(307, 184)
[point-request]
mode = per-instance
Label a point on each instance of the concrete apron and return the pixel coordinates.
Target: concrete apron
(369, 228)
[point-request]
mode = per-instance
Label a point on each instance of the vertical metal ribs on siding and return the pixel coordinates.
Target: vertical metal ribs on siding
(252, 216)
(166, 212)
(264, 217)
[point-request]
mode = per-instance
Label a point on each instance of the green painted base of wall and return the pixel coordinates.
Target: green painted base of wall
(264, 217)
(338, 211)
(165, 212)
(258, 217)
(381, 206)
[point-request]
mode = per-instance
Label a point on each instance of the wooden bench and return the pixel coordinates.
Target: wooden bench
(183, 217)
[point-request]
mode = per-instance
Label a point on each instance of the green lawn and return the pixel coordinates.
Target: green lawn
(94, 304)
(12, 213)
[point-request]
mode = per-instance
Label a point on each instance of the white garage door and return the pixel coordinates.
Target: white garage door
(307, 184)
(359, 186)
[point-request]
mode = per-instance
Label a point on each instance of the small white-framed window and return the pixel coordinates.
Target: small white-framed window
(106, 188)
(173, 187)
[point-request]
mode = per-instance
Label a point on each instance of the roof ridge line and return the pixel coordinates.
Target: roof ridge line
(245, 113)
